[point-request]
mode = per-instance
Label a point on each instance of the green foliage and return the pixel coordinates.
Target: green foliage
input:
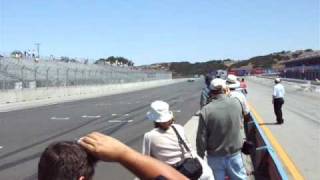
(308, 50)
(115, 60)
(16, 53)
(67, 59)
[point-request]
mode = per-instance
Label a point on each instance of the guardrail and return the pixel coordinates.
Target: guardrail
(301, 81)
(265, 162)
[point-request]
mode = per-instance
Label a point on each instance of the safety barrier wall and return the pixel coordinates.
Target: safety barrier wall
(286, 79)
(302, 72)
(266, 164)
(78, 92)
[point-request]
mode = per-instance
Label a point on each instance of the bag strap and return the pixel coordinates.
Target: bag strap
(180, 139)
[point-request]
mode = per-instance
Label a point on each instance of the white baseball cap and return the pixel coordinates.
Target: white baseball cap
(159, 112)
(277, 80)
(217, 84)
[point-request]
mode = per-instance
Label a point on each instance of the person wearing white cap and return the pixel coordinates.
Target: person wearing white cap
(233, 84)
(162, 142)
(219, 134)
(277, 99)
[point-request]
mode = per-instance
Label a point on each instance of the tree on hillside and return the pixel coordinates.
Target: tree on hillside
(68, 60)
(115, 60)
(16, 54)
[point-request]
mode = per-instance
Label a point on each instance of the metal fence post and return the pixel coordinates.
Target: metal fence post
(89, 77)
(101, 77)
(47, 77)
(22, 77)
(95, 77)
(58, 74)
(82, 77)
(75, 77)
(35, 75)
(5, 77)
(67, 77)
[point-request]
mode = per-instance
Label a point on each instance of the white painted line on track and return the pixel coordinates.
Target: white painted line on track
(117, 121)
(114, 121)
(59, 118)
(176, 111)
(86, 116)
(126, 115)
(1, 147)
(103, 104)
(114, 114)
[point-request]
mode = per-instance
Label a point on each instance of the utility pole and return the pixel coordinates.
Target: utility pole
(38, 49)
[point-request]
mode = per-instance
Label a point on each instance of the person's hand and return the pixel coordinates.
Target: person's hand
(103, 147)
(227, 91)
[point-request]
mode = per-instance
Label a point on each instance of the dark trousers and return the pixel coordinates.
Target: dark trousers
(277, 105)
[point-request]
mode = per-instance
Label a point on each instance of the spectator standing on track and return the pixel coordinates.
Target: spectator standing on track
(205, 92)
(162, 142)
(219, 133)
(277, 99)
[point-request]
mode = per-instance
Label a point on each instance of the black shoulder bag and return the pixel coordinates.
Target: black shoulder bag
(190, 167)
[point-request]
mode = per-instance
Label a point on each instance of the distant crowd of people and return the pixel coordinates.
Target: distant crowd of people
(166, 152)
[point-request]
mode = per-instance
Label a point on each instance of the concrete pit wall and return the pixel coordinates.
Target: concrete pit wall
(77, 92)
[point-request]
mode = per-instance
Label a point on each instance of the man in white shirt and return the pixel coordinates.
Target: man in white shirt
(277, 99)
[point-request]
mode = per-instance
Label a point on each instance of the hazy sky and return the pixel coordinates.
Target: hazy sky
(149, 31)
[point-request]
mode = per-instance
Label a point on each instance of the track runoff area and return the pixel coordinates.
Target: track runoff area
(296, 142)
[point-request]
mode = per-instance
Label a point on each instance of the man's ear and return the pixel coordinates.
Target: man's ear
(226, 91)
(82, 178)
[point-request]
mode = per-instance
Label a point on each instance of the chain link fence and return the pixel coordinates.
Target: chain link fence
(25, 73)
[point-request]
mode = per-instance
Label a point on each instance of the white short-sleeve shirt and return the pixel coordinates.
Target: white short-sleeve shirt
(278, 91)
(164, 145)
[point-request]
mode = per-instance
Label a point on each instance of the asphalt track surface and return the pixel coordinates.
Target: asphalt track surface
(299, 136)
(24, 134)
